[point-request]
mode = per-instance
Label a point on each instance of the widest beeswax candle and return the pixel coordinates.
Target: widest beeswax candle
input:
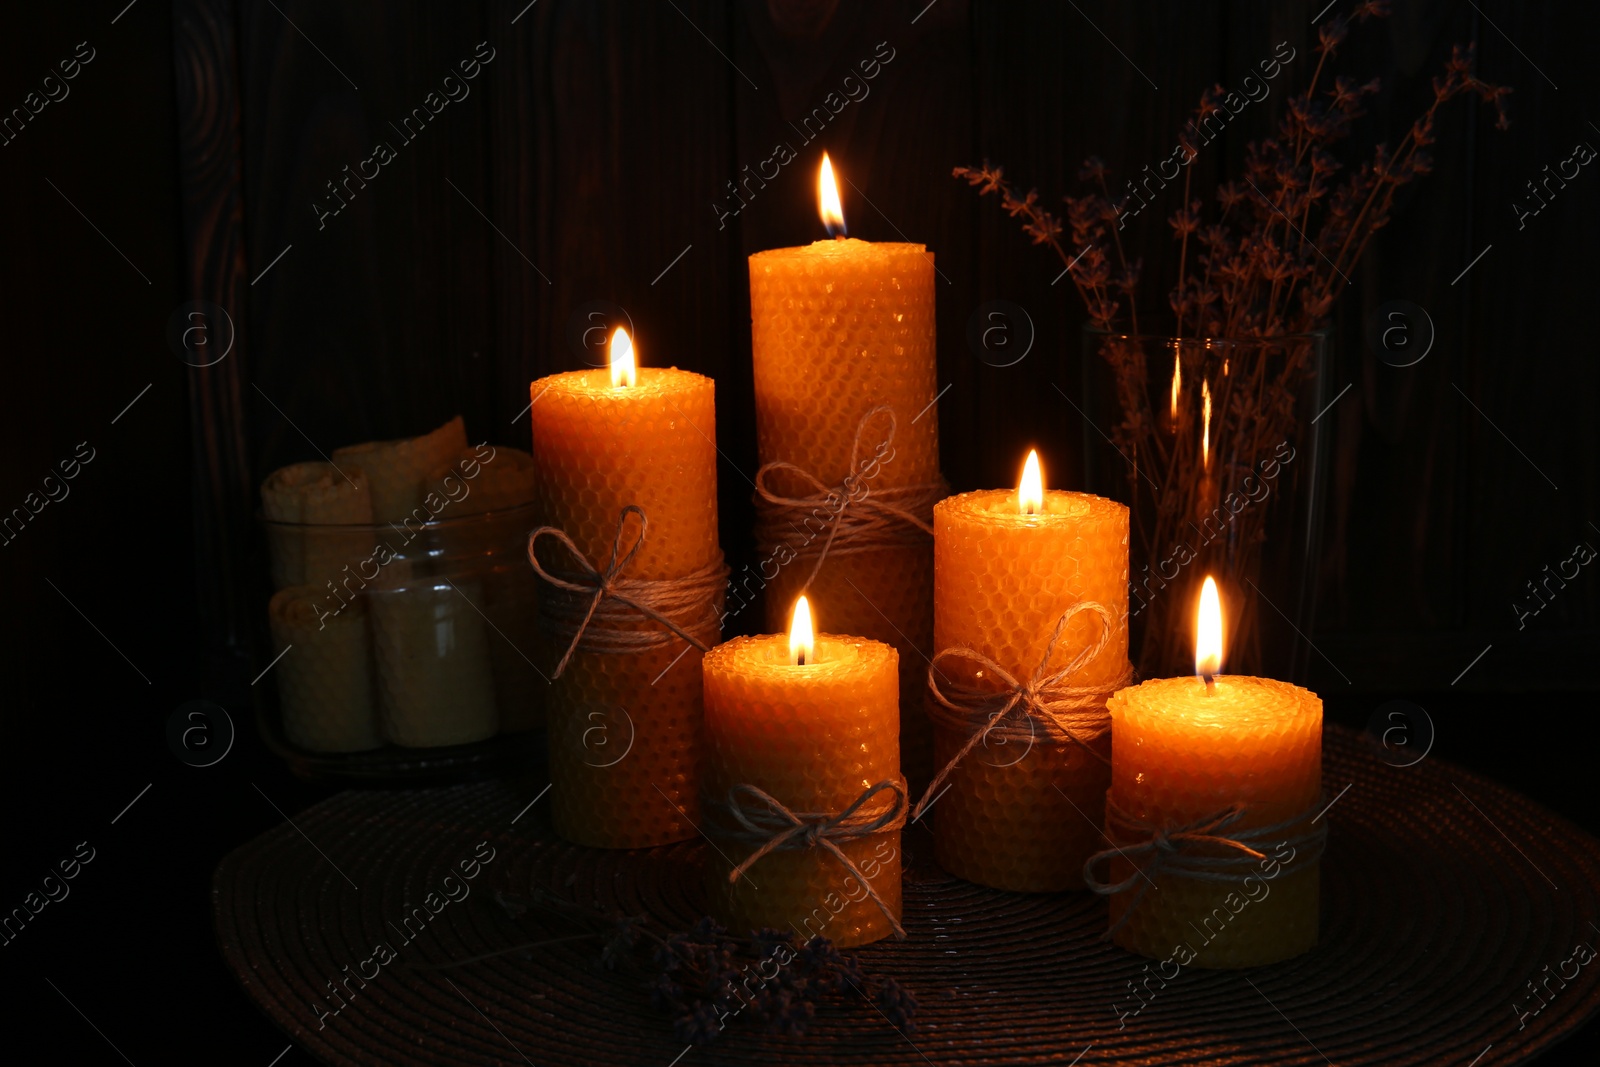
(600, 447)
(814, 736)
(1023, 815)
(1186, 749)
(838, 328)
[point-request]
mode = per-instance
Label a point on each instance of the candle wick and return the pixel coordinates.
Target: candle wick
(800, 658)
(1211, 683)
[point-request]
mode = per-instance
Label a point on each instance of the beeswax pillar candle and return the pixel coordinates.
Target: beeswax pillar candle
(1186, 749)
(814, 736)
(601, 444)
(1025, 814)
(840, 327)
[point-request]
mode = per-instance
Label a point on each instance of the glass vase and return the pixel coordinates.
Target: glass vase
(1218, 447)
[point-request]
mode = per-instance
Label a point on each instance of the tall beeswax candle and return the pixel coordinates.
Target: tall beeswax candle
(600, 446)
(838, 328)
(1186, 749)
(1024, 814)
(814, 736)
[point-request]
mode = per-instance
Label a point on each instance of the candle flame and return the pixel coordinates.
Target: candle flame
(802, 639)
(623, 370)
(1030, 491)
(1208, 632)
(1176, 384)
(1205, 410)
(828, 205)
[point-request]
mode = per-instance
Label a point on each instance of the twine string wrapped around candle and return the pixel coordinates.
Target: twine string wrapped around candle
(763, 820)
(858, 519)
(1206, 849)
(601, 610)
(1022, 710)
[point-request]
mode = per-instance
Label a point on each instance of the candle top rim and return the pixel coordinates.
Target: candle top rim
(771, 651)
(1240, 701)
(596, 381)
(840, 247)
(999, 507)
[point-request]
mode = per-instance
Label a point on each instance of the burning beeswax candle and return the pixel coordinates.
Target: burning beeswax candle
(625, 727)
(839, 328)
(812, 723)
(1022, 810)
(1187, 750)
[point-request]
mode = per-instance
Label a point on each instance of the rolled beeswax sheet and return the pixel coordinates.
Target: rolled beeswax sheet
(325, 688)
(400, 473)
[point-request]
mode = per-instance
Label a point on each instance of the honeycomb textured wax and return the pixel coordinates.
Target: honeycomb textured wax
(1181, 755)
(814, 737)
(1020, 816)
(325, 686)
(599, 448)
(839, 327)
(400, 473)
(317, 494)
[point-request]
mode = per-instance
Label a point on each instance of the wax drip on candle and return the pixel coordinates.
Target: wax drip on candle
(828, 205)
(1030, 491)
(1208, 635)
(802, 639)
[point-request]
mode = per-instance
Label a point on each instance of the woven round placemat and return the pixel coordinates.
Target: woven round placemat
(1444, 894)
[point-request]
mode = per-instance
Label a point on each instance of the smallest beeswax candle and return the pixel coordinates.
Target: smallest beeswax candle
(802, 731)
(1229, 769)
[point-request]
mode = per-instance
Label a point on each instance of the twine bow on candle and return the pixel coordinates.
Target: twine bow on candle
(601, 609)
(857, 520)
(1042, 703)
(762, 818)
(1180, 850)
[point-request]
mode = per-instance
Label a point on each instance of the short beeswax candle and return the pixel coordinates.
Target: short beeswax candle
(1024, 814)
(814, 736)
(1185, 750)
(604, 440)
(838, 328)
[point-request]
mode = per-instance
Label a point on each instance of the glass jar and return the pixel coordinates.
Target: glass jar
(1218, 448)
(404, 648)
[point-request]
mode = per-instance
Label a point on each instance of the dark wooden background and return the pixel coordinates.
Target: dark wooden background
(593, 148)
(583, 168)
